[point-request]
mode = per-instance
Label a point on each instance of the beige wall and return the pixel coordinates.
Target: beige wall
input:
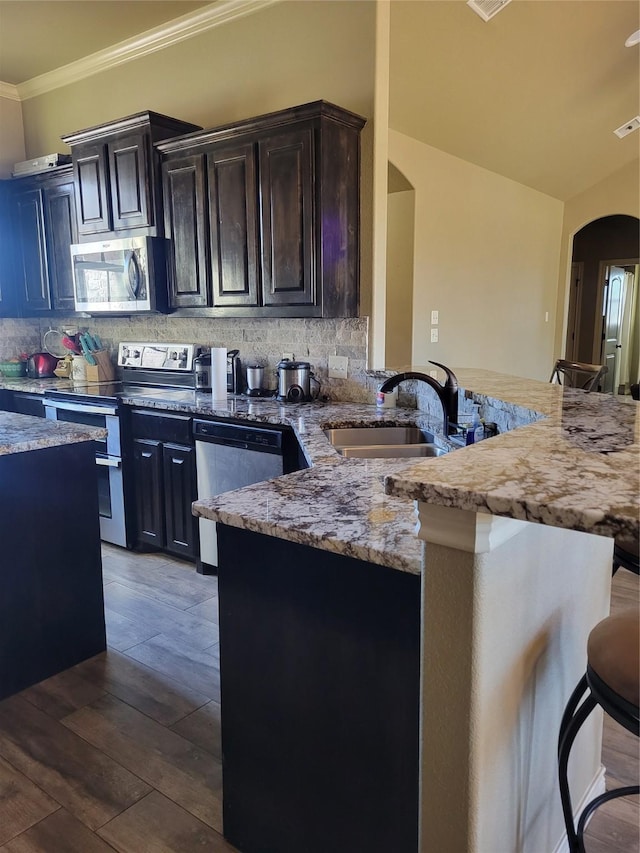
(286, 54)
(486, 257)
(399, 289)
(619, 193)
(12, 148)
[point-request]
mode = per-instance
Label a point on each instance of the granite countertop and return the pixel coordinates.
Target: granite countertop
(572, 463)
(337, 504)
(577, 467)
(564, 458)
(20, 433)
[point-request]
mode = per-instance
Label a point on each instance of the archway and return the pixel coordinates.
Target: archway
(604, 304)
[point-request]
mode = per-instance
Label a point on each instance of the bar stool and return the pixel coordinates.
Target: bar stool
(612, 680)
(577, 374)
(626, 555)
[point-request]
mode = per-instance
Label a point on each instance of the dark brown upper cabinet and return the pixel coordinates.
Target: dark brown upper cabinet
(233, 225)
(287, 218)
(42, 224)
(184, 186)
(8, 295)
(60, 222)
(263, 215)
(31, 250)
(117, 174)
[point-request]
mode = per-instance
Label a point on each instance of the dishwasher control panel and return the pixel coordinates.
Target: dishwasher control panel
(239, 435)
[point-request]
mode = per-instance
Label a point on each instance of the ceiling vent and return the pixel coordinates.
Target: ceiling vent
(487, 9)
(628, 127)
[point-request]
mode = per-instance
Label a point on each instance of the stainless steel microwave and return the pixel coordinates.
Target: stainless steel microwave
(124, 276)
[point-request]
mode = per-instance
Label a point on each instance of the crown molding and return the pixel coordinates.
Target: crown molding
(159, 38)
(9, 91)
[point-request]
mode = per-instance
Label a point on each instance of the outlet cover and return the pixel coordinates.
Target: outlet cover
(338, 365)
(289, 355)
(434, 336)
(434, 318)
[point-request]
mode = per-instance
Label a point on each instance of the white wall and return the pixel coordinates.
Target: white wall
(486, 256)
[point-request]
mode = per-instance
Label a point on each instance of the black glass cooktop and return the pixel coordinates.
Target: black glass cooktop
(112, 392)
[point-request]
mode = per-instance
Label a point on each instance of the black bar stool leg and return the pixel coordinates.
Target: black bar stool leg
(571, 723)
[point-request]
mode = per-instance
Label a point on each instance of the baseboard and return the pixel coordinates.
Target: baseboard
(596, 788)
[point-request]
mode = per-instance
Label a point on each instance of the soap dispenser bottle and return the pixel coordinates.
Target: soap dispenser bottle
(475, 433)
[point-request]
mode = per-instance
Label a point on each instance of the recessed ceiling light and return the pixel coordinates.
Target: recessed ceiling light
(628, 127)
(633, 39)
(487, 8)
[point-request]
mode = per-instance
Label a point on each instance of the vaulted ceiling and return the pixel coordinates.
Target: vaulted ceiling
(534, 94)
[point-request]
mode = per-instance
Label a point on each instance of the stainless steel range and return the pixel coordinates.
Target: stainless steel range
(160, 370)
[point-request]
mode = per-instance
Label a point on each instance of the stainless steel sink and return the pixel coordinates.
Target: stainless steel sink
(383, 442)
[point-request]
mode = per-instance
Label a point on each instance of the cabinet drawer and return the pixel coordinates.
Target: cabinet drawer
(161, 427)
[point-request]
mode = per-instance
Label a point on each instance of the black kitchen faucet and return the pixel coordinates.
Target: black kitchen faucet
(447, 393)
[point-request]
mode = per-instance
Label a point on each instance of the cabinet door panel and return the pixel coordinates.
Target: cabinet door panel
(179, 493)
(32, 252)
(233, 219)
(147, 468)
(8, 295)
(185, 225)
(61, 231)
(91, 173)
(128, 169)
(287, 218)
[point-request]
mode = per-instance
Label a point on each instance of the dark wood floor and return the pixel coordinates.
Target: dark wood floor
(122, 752)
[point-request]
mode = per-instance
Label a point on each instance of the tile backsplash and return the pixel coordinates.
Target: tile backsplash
(260, 341)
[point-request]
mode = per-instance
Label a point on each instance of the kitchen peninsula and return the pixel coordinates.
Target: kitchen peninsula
(504, 608)
(51, 604)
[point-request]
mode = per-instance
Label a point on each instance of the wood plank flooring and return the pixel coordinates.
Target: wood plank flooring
(122, 752)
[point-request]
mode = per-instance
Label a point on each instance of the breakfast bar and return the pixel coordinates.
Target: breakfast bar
(514, 548)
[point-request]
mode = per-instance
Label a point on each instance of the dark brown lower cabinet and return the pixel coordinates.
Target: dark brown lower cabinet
(51, 602)
(164, 481)
(320, 692)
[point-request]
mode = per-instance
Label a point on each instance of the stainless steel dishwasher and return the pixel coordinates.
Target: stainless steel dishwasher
(230, 456)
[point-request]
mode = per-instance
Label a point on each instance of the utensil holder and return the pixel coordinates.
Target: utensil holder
(103, 370)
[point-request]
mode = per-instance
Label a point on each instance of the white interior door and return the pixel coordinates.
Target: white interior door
(615, 292)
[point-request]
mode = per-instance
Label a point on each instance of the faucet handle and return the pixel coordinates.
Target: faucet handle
(452, 380)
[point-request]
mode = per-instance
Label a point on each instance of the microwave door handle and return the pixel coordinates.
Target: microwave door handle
(132, 275)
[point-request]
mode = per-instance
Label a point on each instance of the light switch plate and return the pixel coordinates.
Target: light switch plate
(338, 365)
(435, 318)
(434, 336)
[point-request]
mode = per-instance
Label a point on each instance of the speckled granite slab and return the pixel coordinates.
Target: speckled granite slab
(577, 467)
(570, 459)
(339, 506)
(34, 386)
(20, 433)
(571, 462)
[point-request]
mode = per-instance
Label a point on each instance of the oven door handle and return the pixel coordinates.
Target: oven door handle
(109, 461)
(80, 407)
